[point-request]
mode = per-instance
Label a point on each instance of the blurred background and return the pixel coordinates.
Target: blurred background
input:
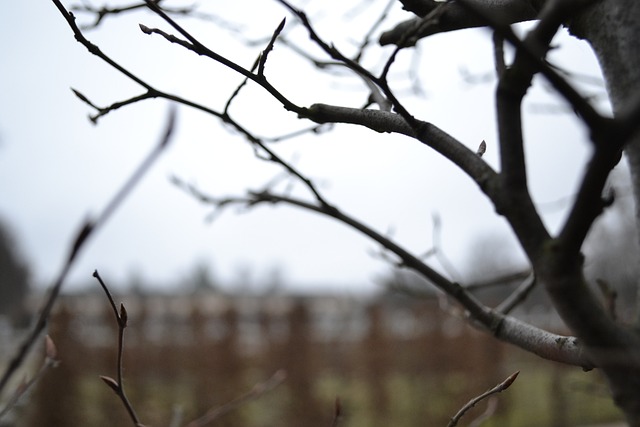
(220, 305)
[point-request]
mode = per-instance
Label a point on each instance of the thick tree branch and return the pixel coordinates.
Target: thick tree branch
(427, 133)
(454, 16)
(590, 202)
(533, 53)
(512, 87)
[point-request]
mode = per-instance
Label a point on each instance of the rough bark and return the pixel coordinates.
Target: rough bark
(612, 27)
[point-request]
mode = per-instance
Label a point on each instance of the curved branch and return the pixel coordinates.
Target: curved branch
(427, 133)
(505, 384)
(550, 346)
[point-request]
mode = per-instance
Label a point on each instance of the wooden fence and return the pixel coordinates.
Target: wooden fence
(389, 362)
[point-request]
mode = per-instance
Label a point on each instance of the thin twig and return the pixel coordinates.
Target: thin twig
(196, 46)
(518, 296)
(269, 48)
(492, 405)
(104, 11)
(50, 361)
(366, 40)
(524, 48)
(117, 385)
(257, 391)
(497, 389)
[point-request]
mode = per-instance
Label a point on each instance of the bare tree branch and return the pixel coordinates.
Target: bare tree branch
(256, 392)
(454, 16)
(117, 385)
(556, 260)
(197, 47)
(547, 345)
(105, 11)
(427, 133)
(473, 402)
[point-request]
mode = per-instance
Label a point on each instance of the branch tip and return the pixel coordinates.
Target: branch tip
(123, 317)
(50, 348)
(482, 149)
(113, 385)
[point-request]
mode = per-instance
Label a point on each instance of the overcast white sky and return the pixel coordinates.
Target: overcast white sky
(56, 168)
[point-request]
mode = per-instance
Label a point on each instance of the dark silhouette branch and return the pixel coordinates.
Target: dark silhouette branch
(482, 12)
(547, 345)
(454, 16)
(518, 296)
(263, 56)
(194, 45)
(427, 133)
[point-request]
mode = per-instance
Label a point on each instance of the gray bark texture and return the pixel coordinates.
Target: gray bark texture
(612, 28)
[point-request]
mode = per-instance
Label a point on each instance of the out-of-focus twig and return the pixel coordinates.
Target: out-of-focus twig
(50, 361)
(257, 391)
(492, 405)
